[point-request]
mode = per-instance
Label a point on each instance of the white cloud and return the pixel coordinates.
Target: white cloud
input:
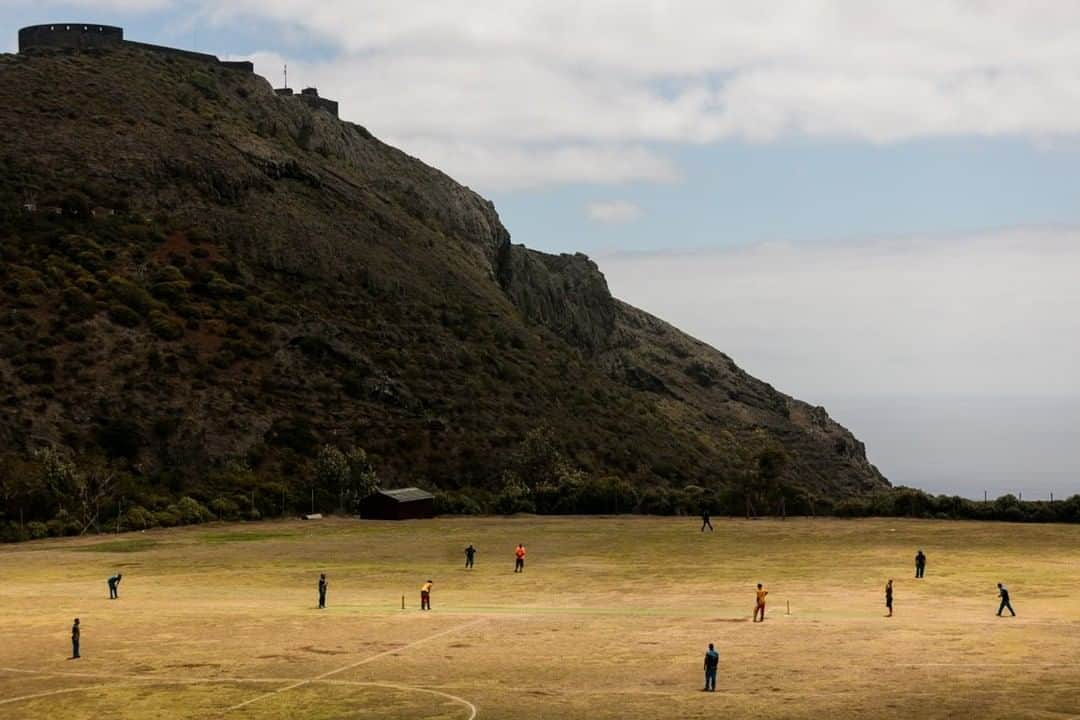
(614, 212)
(991, 315)
(543, 80)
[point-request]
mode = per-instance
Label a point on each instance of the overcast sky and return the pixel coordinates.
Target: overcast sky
(874, 206)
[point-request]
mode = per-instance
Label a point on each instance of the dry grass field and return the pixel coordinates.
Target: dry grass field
(609, 620)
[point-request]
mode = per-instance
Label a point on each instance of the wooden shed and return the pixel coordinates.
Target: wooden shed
(402, 504)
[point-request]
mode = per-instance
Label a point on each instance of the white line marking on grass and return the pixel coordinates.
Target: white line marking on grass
(150, 680)
(61, 691)
(351, 666)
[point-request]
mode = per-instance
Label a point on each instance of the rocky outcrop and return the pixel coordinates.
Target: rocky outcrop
(565, 293)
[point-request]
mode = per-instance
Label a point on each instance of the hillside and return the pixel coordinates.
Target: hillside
(212, 282)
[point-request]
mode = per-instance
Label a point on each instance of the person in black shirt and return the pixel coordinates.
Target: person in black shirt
(470, 555)
(712, 660)
(888, 597)
(1004, 595)
(114, 584)
(920, 564)
(705, 523)
(323, 584)
(75, 632)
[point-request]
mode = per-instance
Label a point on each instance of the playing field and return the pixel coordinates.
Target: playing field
(609, 620)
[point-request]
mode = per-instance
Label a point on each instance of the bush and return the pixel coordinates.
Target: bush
(172, 290)
(225, 508)
(451, 503)
(656, 501)
(166, 327)
(167, 518)
(37, 530)
(123, 315)
(138, 518)
(192, 512)
(514, 498)
(129, 294)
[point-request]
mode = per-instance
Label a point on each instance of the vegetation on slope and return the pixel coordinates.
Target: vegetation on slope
(218, 302)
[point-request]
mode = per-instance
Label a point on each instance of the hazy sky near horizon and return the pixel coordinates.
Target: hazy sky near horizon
(872, 206)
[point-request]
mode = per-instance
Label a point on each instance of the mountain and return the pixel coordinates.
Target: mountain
(204, 283)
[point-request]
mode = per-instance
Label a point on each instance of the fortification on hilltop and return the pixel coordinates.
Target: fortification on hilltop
(87, 36)
(91, 36)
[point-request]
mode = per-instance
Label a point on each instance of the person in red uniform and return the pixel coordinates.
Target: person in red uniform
(519, 558)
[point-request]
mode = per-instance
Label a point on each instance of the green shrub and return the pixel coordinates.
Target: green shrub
(123, 315)
(78, 304)
(37, 530)
(452, 503)
(130, 294)
(224, 508)
(168, 517)
(514, 498)
(171, 291)
(166, 327)
(138, 518)
(192, 512)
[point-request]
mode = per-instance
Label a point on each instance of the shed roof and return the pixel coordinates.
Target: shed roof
(410, 494)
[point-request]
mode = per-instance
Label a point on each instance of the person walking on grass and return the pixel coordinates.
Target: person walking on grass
(760, 606)
(323, 585)
(1003, 593)
(75, 632)
(712, 661)
(425, 596)
(888, 597)
(114, 585)
(519, 558)
(920, 564)
(705, 522)
(470, 555)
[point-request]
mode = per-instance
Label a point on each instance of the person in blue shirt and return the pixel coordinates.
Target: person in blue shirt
(114, 584)
(712, 661)
(1003, 593)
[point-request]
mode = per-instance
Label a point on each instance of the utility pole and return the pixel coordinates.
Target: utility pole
(286, 75)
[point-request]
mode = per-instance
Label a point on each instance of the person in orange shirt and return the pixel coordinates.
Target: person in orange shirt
(519, 558)
(760, 607)
(425, 596)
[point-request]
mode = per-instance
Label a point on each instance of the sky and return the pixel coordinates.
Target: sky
(874, 207)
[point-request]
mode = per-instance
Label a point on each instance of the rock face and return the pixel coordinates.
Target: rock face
(274, 279)
(564, 293)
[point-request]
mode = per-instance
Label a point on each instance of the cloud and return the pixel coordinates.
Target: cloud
(535, 82)
(614, 212)
(985, 315)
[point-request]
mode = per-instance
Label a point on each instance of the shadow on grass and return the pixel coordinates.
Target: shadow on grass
(121, 546)
(231, 537)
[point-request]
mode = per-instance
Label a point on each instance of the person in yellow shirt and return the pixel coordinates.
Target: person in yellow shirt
(425, 596)
(760, 607)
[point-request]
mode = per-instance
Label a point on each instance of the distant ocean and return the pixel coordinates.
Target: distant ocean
(966, 445)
